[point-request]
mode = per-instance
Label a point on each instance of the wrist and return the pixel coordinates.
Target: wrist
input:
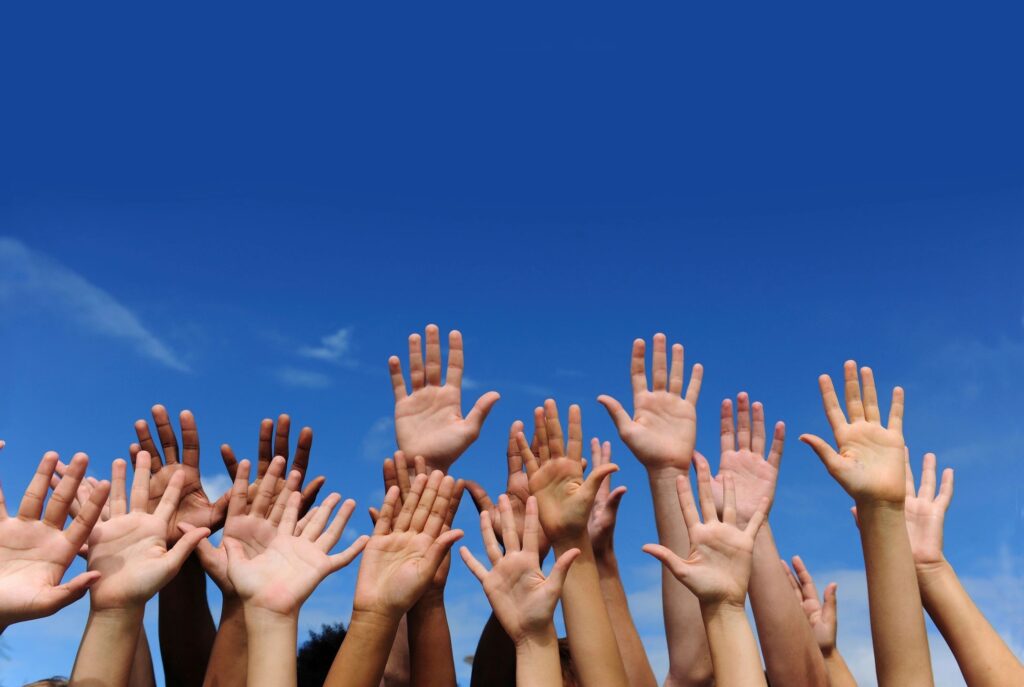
(722, 609)
(666, 474)
(575, 540)
(259, 618)
(432, 599)
(931, 571)
(375, 619)
(607, 563)
(120, 616)
(540, 638)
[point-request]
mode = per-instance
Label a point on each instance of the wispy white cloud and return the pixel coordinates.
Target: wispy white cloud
(379, 440)
(293, 376)
(31, 276)
(216, 485)
(334, 348)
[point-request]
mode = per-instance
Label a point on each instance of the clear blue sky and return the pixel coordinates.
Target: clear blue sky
(191, 197)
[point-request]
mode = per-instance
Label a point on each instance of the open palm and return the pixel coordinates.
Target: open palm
(429, 421)
(926, 512)
(662, 431)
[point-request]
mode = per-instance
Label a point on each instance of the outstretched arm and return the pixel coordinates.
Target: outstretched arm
(601, 528)
(870, 467)
(791, 655)
(982, 655)
(717, 571)
(662, 434)
(565, 501)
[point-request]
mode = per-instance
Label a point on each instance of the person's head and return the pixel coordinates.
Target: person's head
(569, 678)
(55, 681)
(317, 653)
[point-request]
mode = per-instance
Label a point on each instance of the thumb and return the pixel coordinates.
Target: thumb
(825, 451)
(185, 546)
(481, 409)
(561, 569)
(856, 520)
(617, 413)
(593, 482)
(614, 499)
(669, 559)
(206, 551)
(828, 609)
(74, 589)
(480, 497)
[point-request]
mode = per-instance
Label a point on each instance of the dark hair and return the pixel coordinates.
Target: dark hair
(317, 653)
(569, 678)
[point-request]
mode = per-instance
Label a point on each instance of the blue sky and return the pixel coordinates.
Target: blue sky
(191, 202)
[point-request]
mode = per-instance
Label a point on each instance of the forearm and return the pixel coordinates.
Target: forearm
(108, 648)
(494, 663)
(897, 619)
(142, 665)
(430, 643)
(537, 661)
(587, 625)
(982, 655)
(791, 654)
(396, 670)
(688, 655)
(186, 626)
(360, 661)
(839, 674)
(273, 638)
(229, 659)
(733, 649)
(631, 649)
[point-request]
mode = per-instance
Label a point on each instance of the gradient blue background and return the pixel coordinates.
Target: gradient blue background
(779, 188)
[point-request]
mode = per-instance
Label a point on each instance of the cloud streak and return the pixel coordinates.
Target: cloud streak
(333, 348)
(32, 276)
(306, 379)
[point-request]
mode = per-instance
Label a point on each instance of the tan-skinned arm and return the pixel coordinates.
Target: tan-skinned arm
(565, 500)
(870, 467)
(791, 655)
(717, 571)
(142, 664)
(601, 528)
(662, 434)
(982, 655)
(399, 563)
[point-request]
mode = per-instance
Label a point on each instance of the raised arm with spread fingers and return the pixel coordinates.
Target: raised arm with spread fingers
(982, 655)
(522, 598)
(662, 434)
(129, 551)
(35, 548)
(274, 564)
(790, 653)
(717, 571)
(822, 619)
(870, 466)
(186, 626)
(602, 534)
(428, 421)
(399, 563)
(564, 501)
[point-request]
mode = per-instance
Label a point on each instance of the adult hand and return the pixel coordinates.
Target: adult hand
(428, 421)
(662, 432)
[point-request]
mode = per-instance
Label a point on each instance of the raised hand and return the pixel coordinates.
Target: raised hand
(821, 616)
(407, 547)
(717, 569)
(428, 421)
(273, 443)
(517, 489)
(601, 525)
(129, 551)
(253, 517)
(926, 513)
(663, 430)
(870, 462)
(276, 567)
(195, 507)
(35, 553)
(564, 498)
(523, 599)
(753, 477)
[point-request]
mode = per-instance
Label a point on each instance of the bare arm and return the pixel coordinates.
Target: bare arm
(982, 655)
(142, 665)
(662, 434)
(870, 467)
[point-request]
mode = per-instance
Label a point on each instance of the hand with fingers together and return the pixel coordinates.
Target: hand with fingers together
(400, 561)
(662, 432)
(35, 548)
(523, 599)
(129, 551)
(717, 571)
(275, 442)
(195, 507)
(428, 421)
(564, 497)
(743, 445)
(517, 488)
